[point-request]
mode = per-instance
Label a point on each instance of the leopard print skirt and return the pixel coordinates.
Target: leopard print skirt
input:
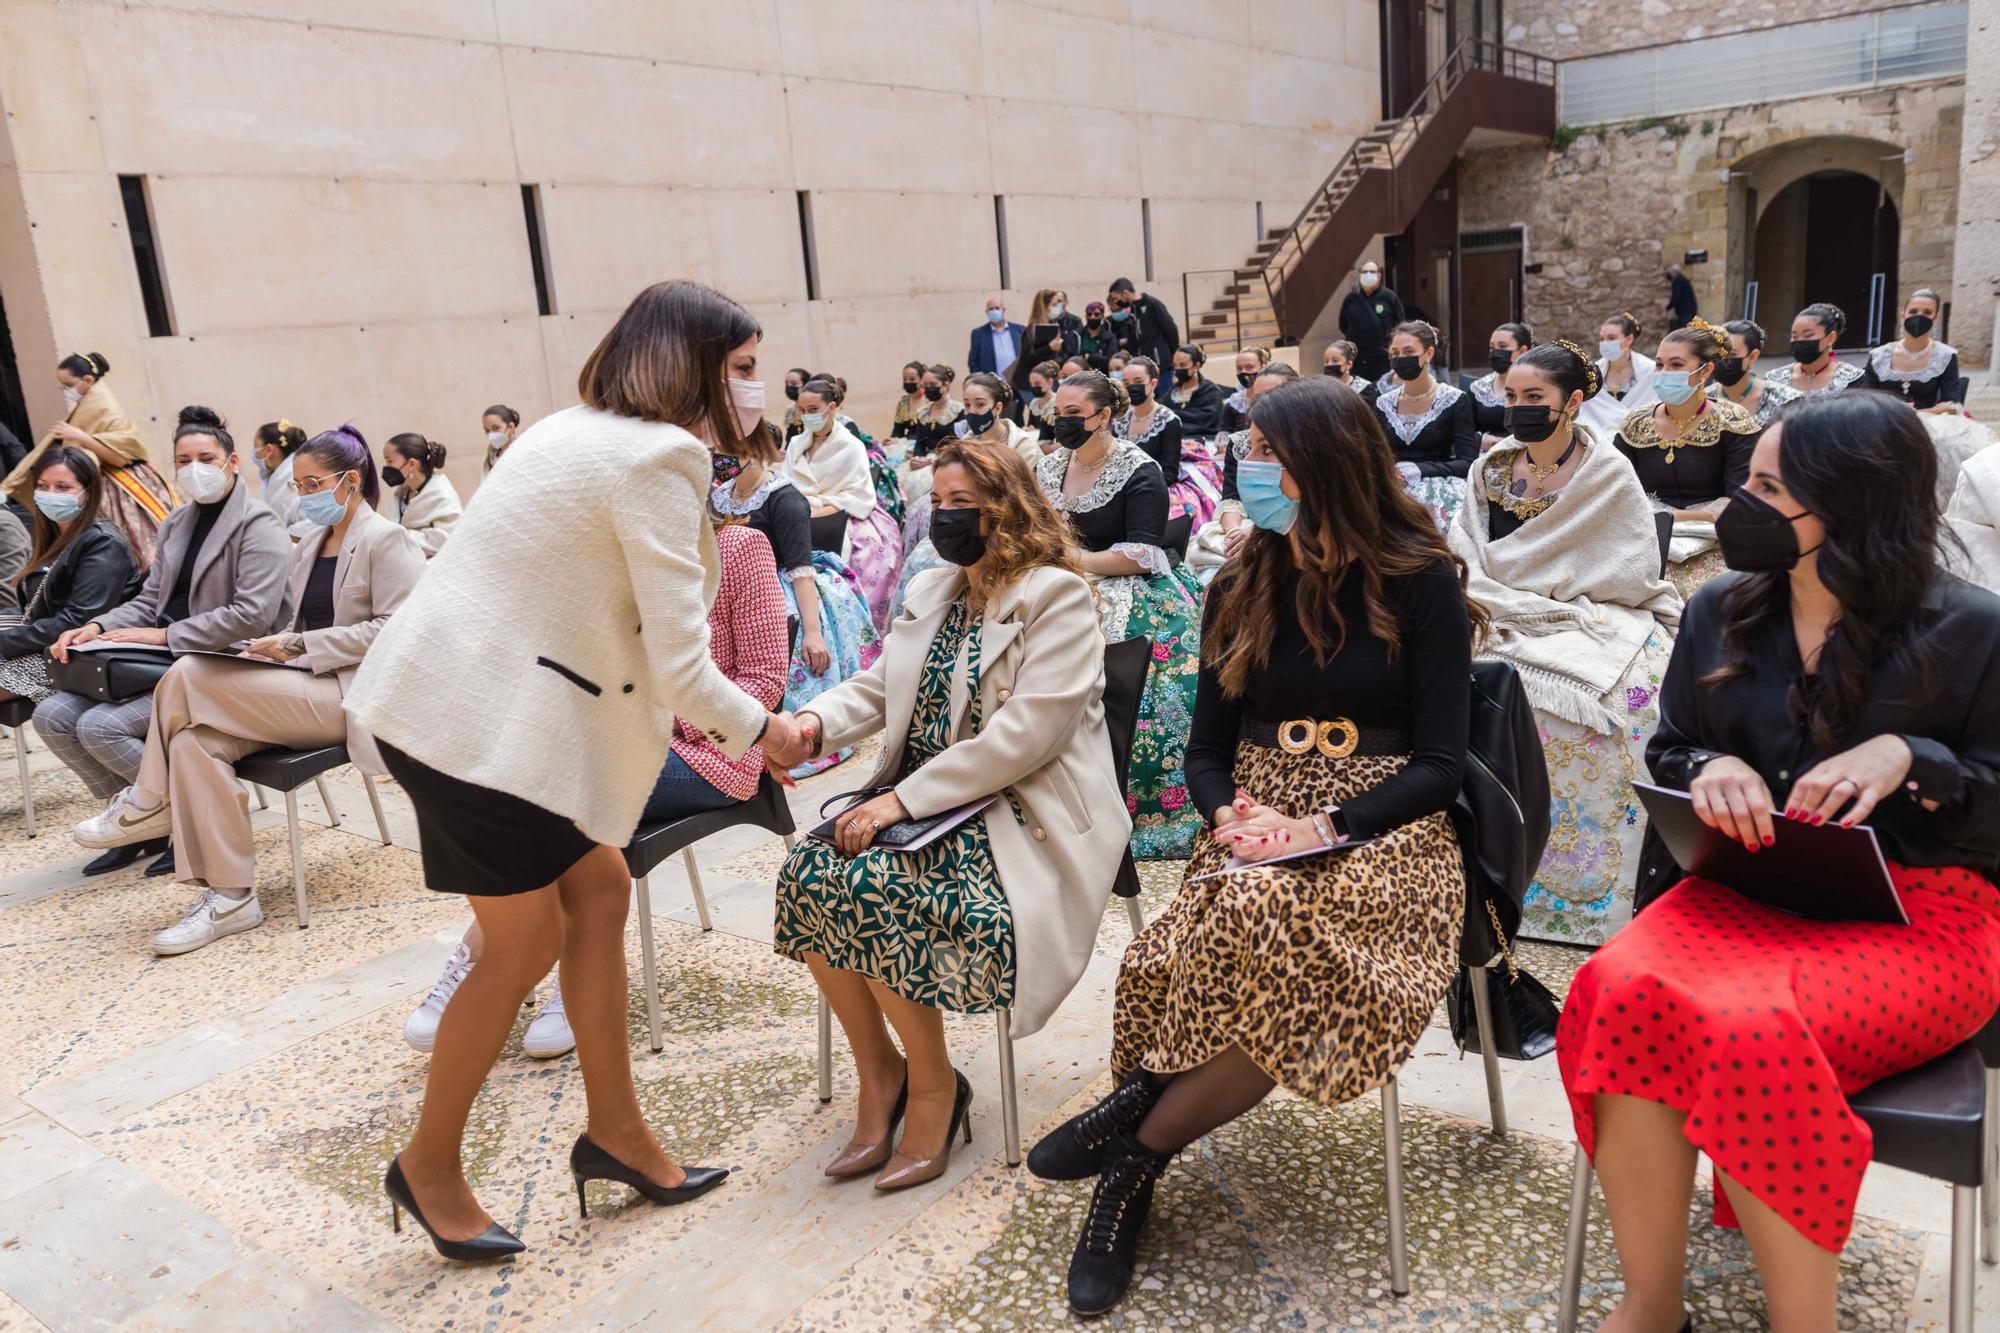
(1324, 970)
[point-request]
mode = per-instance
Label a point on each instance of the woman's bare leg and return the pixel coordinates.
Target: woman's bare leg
(877, 1062)
(1801, 1280)
(1645, 1166)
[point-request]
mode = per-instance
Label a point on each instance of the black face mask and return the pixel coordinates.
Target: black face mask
(1530, 425)
(1805, 351)
(1756, 538)
(955, 534)
(1917, 325)
(1137, 393)
(1183, 376)
(1338, 372)
(934, 392)
(1244, 381)
(1093, 322)
(911, 386)
(1500, 360)
(393, 476)
(1073, 432)
(725, 468)
(792, 392)
(1729, 371)
(1407, 368)
(978, 423)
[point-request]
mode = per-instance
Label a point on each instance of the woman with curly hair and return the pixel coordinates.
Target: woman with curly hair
(989, 688)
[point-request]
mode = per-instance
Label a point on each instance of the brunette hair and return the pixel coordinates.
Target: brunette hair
(917, 366)
(1341, 345)
(414, 448)
(85, 363)
(343, 449)
(1565, 365)
(1102, 391)
(508, 416)
(1048, 370)
(1422, 330)
(1263, 354)
(1354, 512)
(1520, 333)
(284, 436)
(1027, 532)
(666, 359)
(944, 373)
(1749, 330)
(1627, 325)
(1827, 315)
(1278, 370)
(1003, 392)
(198, 420)
(1193, 352)
(1863, 464)
(51, 540)
(1145, 364)
(1710, 344)
(824, 387)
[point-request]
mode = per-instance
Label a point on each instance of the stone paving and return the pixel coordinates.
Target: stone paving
(197, 1142)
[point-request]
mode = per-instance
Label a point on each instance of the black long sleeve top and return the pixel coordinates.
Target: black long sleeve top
(1489, 406)
(1443, 442)
(1951, 722)
(1161, 439)
(1424, 691)
(1935, 382)
(1709, 460)
(1201, 407)
(1127, 506)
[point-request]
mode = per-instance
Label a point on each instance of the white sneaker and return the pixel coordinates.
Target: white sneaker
(549, 1035)
(122, 823)
(211, 917)
(421, 1031)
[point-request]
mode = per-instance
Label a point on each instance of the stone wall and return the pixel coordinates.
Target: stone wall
(1566, 28)
(1976, 289)
(1606, 209)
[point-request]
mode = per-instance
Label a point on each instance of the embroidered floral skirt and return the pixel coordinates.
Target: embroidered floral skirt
(851, 641)
(1199, 489)
(875, 555)
(1325, 971)
(1166, 608)
(1582, 892)
(1442, 496)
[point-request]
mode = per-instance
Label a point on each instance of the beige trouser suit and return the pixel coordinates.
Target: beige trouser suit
(209, 712)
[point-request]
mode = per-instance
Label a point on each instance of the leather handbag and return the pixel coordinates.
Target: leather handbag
(112, 675)
(1524, 1012)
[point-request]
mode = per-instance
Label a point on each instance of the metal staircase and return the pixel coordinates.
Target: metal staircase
(1482, 88)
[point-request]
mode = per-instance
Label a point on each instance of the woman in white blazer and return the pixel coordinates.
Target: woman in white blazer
(525, 698)
(209, 712)
(990, 687)
(426, 502)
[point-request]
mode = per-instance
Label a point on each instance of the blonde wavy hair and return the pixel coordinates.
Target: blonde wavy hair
(1027, 532)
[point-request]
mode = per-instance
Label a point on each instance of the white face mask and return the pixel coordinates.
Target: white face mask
(496, 438)
(1609, 349)
(1056, 309)
(1369, 281)
(72, 395)
(204, 483)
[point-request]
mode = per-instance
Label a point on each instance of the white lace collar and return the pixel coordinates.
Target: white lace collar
(1239, 443)
(1163, 416)
(1771, 395)
(1486, 389)
(722, 499)
(1408, 428)
(1883, 360)
(1126, 458)
(1844, 374)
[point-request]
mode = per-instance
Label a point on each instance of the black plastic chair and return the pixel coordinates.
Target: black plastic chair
(1180, 531)
(1940, 1120)
(15, 714)
(829, 532)
(289, 770)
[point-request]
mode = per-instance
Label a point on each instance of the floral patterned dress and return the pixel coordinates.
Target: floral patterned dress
(932, 925)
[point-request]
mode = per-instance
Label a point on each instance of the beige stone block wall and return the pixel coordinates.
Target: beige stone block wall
(1976, 281)
(337, 185)
(1567, 28)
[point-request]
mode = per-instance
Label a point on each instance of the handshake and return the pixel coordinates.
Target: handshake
(789, 740)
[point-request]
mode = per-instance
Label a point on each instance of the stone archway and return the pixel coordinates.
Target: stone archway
(1828, 236)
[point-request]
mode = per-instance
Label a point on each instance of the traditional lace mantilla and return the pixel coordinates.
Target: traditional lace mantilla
(1640, 432)
(1163, 416)
(1844, 374)
(1883, 360)
(1126, 458)
(1407, 428)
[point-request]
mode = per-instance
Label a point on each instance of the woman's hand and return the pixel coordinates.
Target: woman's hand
(64, 431)
(920, 461)
(148, 634)
(1233, 539)
(69, 638)
(1731, 797)
(272, 647)
(812, 646)
(1257, 832)
(1865, 774)
(856, 830)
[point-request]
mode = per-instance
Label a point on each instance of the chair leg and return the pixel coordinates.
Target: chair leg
(27, 787)
(263, 797)
(1964, 1223)
(1133, 914)
(694, 882)
(21, 738)
(1581, 1176)
(1392, 1161)
(326, 799)
(375, 804)
(825, 1049)
(1010, 1095)
(1989, 1193)
(298, 854)
(649, 963)
(1482, 1013)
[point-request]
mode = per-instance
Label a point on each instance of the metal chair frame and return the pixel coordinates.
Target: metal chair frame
(261, 780)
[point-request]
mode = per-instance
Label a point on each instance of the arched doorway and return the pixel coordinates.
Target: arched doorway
(1825, 237)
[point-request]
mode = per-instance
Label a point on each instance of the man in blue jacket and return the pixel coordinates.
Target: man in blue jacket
(995, 343)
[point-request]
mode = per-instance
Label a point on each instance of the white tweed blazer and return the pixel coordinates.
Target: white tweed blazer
(553, 641)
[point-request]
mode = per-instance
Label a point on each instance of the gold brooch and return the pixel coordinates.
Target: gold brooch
(1302, 734)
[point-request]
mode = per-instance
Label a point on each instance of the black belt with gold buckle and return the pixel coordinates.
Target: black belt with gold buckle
(1336, 739)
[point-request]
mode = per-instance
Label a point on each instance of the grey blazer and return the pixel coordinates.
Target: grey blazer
(238, 590)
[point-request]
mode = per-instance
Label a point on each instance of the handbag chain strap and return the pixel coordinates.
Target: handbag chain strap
(1507, 954)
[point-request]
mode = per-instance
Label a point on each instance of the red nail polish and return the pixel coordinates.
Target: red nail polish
(1819, 819)
(1847, 823)
(1768, 841)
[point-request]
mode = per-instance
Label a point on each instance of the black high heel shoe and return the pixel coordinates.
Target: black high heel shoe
(496, 1242)
(588, 1162)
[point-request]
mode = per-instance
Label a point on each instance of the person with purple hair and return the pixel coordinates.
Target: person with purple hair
(208, 712)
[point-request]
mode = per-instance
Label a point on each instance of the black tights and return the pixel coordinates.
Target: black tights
(1203, 1099)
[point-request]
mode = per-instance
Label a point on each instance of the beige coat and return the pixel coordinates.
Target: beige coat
(238, 587)
(431, 513)
(1041, 690)
(377, 567)
(98, 415)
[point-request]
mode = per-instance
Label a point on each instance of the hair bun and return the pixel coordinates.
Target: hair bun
(197, 415)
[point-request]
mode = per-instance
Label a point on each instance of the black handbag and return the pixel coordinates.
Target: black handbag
(111, 676)
(1524, 1012)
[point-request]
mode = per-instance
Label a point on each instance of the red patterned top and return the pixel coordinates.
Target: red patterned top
(746, 637)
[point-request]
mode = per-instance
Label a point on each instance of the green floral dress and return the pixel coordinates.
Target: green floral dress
(931, 925)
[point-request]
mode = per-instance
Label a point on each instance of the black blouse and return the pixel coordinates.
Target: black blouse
(1447, 442)
(1236, 446)
(1424, 691)
(1163, 444)
(1936, 382)
(316, 607)
(925, 437)
(781, 513)
(1489, 406)
(1953, 732)
(1201, 409)
(1127, 506)
(1708, 461)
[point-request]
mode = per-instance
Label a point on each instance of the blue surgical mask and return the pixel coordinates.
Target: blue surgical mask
(1672, 386)
(324, 507)
(59, 506)
(1264, 502)
(814, 422)
(996, 317)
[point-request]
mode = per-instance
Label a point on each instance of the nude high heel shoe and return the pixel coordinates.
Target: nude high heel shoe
(860, 1159)
(924, 1169)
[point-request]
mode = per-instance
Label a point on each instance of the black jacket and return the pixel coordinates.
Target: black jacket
(1201, 409)
(95, 574)
(1367, 320)
(1151, 331)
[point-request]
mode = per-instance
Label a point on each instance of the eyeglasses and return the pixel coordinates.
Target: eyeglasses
(314, 485)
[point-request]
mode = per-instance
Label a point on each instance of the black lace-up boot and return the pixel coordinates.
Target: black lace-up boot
(1073, 1150)
(1101, 1268)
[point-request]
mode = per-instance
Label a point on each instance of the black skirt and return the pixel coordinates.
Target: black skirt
(482, 842)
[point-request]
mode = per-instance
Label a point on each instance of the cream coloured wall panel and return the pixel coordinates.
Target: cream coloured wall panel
(877, 334)
(1290, 164)
(1198, 234)
(602, 120)
(607, 242)
(84, 262)
(45, 89)
(879, 244)
(460, 20)
(1042, 148)
(844, 128)
(1218, 20)
(1311, 94)
(911, 43)
(286, 252)
(1177, 75)
(1055, 234)
(1364, 37)
(1317, 32)
(1197, 159)
(1118, 10)
(739, 34)
(1037, 54)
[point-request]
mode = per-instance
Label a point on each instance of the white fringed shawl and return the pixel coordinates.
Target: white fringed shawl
(1574, 591)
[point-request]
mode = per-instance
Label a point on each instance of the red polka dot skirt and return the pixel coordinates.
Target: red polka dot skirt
(1758, 1024)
